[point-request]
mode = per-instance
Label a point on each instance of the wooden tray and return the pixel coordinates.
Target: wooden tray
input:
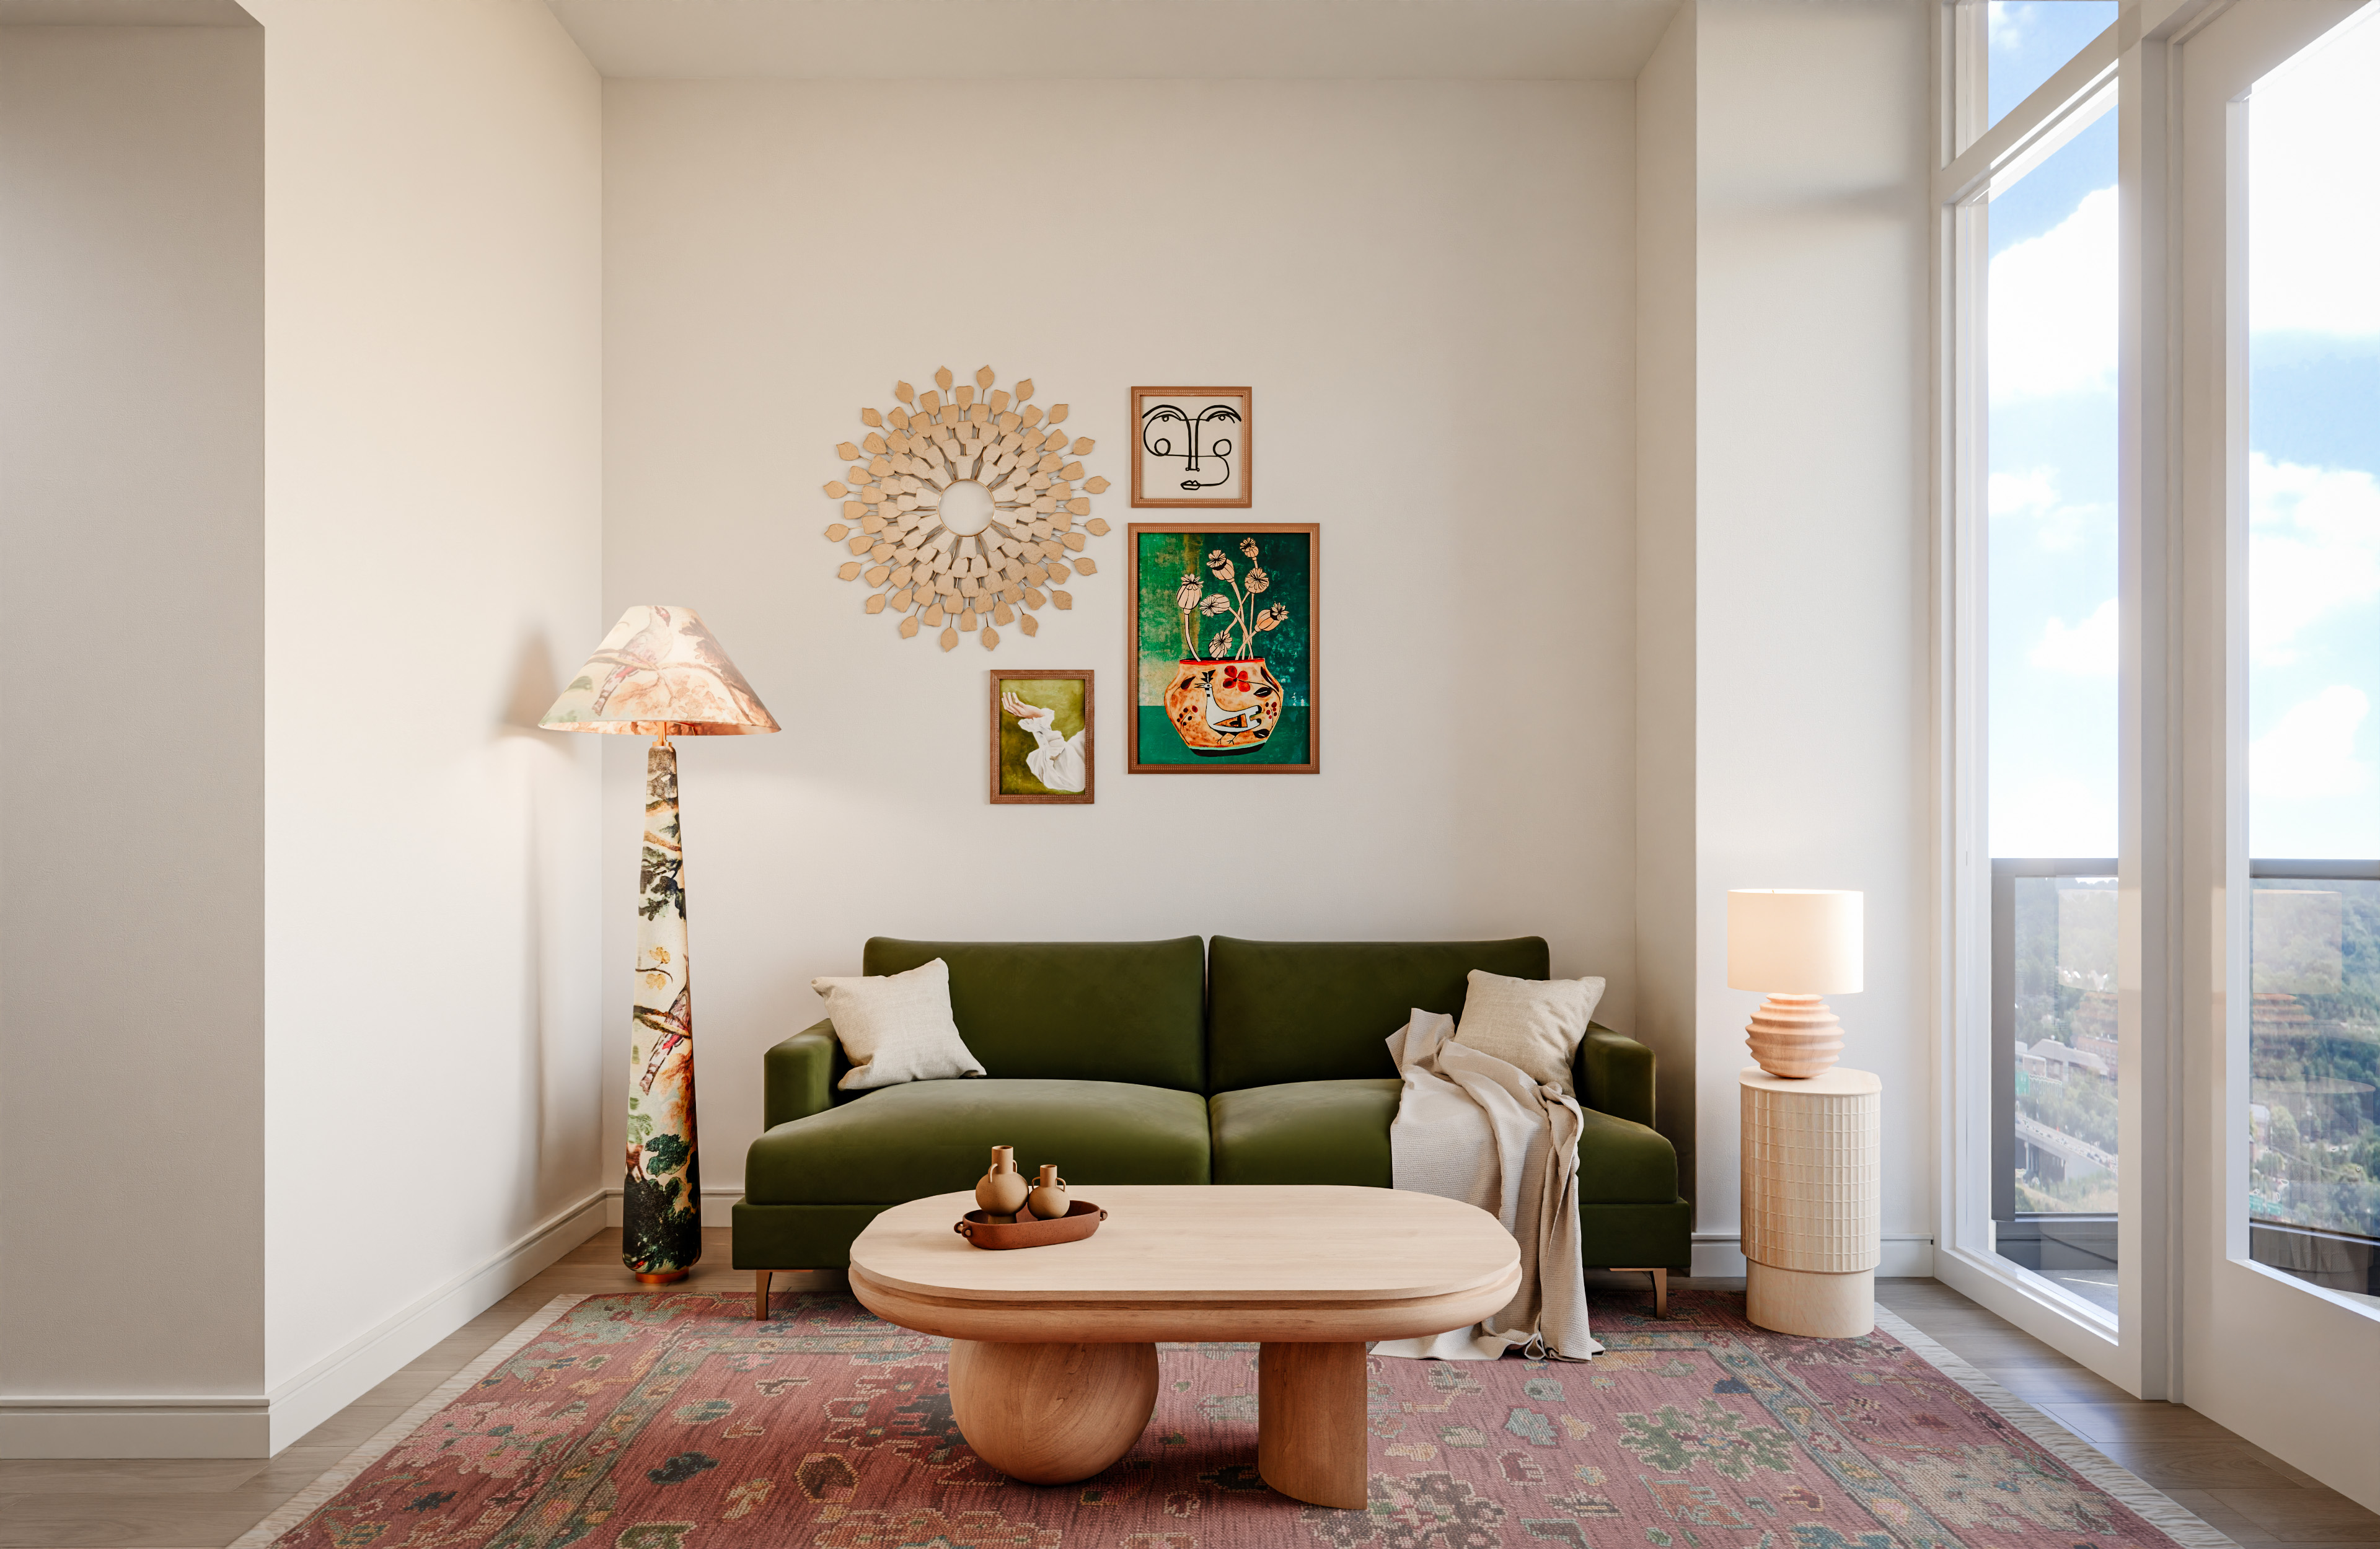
(1080, 1220)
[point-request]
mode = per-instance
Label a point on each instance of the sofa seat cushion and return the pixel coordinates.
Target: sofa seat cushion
(1624, 1163)
(1305, 1131)
(929, 1137)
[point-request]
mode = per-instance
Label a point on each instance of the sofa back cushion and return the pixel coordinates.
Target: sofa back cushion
(1079, 1010)
(1323, 1010)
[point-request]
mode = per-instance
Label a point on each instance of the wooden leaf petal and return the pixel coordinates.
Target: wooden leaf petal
(1096, 527)
(1087, 565)
(872, 522)
(857, 475)
(1030, 624)
(876, 603)
(965, 396)
(984, 376)
(932, 615)
(1071, 471)
(903, 391)
(900, 600)
(1083, 445)
(909, 627)
(1097, 486)
(861, 544)
(1031, 414)
(1024, 390)
(882, 551)
(874, 442)
(991, 638)
(999, 402)
(1073, 540)
(901, 576)
(1034, 598)
(876, 574)
(1057, 414)
(898, 419)
(850, 572)
(942, 378)
(950, 639)
(967, 620)
(1064, 599)
(836, 488)
(1059, 572)
(869, 417)
(1004, 614)
(930, 401)
(1079, 506)
(837, 532)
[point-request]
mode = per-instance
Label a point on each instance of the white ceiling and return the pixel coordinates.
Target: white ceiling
(1521, 39)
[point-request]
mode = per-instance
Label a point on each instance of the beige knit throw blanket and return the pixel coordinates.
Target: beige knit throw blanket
(1471, 1127)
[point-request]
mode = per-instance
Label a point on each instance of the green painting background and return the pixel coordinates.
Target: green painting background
(1062, 696)
(1161, 558)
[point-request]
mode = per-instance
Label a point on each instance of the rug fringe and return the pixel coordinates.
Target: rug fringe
(2145, 1501)
(304, 1504)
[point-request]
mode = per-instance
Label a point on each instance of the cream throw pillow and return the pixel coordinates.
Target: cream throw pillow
(1534, 1024)
(897, 1027)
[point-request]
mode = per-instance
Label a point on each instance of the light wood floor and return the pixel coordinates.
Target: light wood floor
(205, 1504)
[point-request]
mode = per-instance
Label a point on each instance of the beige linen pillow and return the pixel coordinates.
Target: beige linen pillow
(897, 1027)
(1534, 1024)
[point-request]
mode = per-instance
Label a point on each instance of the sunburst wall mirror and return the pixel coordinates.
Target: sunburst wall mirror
(968, 507)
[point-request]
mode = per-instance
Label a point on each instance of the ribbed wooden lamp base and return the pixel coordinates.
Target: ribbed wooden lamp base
(1794, 1035)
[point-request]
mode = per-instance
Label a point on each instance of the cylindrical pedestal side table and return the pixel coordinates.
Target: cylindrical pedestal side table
(1809, 1209)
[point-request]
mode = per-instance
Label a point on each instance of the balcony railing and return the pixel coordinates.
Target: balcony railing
(2314, 1066)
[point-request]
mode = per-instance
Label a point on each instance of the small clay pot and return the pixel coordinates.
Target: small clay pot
(1002, 1192)
(1049, 1199)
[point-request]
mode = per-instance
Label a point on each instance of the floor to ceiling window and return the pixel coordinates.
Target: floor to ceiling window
(2049, 430)
(2314, 662)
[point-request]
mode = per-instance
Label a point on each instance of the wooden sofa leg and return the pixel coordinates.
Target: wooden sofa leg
(761, 1295)
(1660, 1287)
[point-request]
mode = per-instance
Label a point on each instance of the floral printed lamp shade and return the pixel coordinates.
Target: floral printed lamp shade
(660, 672)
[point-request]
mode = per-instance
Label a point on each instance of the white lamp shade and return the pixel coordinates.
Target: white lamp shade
(1794, 941)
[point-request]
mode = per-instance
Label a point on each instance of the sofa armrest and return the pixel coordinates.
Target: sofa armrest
(797, 1076)
(1614, 1074)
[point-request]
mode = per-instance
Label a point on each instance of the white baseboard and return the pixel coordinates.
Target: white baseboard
(717, 1205)
(258, 1425)
(1907, 1256)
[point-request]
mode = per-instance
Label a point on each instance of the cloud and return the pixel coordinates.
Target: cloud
(2311, 750)
(2312, 126)
(2088, 649)
(2052, 304)
(2313, 549)
(2008, 21)
(2053, 816)
(2060, 524)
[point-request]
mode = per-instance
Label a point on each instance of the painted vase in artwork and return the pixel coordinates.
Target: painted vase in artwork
(1223, 708)
(661, 1205)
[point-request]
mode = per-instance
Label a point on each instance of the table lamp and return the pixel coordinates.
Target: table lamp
(658, 673)
(1795, 946)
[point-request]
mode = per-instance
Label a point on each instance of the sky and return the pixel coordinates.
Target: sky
(2313, 477)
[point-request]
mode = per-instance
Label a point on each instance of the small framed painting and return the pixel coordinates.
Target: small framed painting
(1223, 633)
(1041, 735)
(1192, 446)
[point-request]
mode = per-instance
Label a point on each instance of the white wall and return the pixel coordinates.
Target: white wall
(1812, 131)
(1666, 530)
(433, 357)
(132, 776)
(1427, 285)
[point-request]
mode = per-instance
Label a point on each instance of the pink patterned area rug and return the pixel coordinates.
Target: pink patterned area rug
(675, 1422)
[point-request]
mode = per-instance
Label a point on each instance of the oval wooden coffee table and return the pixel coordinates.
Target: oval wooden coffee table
(1054, 1353)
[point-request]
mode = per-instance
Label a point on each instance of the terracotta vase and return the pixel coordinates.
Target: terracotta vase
(1222, 708)
(1001, 1192)
(1049, 1199)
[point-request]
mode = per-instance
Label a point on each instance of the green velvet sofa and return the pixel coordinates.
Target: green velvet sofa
(1171, 1062)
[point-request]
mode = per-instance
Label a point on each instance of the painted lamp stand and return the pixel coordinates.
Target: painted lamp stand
(658, 673)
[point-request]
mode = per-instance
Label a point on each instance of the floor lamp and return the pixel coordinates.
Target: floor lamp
(658, 673)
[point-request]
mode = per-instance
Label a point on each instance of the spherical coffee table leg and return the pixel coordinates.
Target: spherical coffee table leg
(1052, 1414)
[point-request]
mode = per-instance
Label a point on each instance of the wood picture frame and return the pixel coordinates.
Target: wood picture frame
(1257, 590)
(1178, 457)
(1031, 767)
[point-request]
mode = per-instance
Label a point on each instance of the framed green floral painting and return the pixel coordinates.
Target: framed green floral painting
(1223, 632)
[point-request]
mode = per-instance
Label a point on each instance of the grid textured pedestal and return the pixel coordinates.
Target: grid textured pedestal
(1811, 1225)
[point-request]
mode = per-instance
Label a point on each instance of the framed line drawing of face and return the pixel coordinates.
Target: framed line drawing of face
(1041, 731)
(1192, 446)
